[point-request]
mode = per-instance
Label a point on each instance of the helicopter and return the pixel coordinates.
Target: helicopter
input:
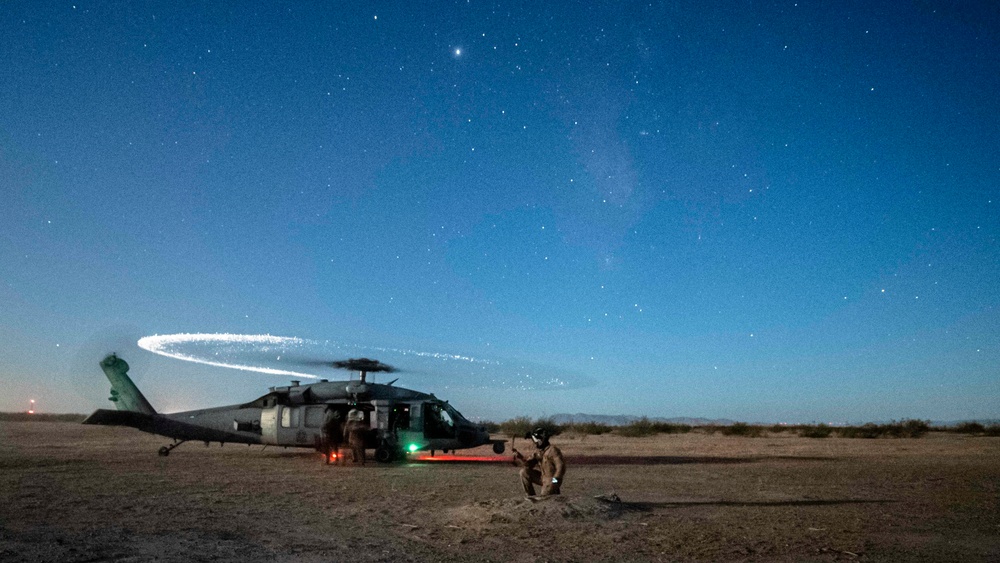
(399, 421)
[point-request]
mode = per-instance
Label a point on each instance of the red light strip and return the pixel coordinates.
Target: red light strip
(462, 458)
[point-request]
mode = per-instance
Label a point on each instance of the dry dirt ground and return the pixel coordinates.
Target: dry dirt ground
(80, 493)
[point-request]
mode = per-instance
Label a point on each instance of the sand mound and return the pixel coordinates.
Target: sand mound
(515, 510)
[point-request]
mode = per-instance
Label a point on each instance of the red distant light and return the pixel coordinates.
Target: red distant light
(31, 412)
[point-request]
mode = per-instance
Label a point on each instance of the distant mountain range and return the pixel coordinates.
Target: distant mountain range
(623, 420)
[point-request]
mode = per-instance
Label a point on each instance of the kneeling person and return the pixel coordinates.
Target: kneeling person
(545, 467)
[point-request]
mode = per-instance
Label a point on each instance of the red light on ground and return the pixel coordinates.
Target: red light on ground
(31, 412)
(463, 458)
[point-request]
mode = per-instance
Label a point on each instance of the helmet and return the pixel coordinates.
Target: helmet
(539, 436)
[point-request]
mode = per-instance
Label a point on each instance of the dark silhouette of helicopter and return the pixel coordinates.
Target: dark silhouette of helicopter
(398, 420)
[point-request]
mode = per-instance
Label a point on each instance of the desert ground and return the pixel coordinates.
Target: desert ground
(70, 492)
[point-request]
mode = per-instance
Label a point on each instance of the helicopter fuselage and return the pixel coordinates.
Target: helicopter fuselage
(396, 420)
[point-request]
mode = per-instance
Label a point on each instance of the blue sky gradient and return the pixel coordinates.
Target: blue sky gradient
(768, 211)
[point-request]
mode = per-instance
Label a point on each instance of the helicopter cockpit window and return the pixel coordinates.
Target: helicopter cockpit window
(446, 418)
(455, 415)
(438, 422)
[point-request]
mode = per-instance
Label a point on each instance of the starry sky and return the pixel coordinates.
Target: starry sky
(762, 211)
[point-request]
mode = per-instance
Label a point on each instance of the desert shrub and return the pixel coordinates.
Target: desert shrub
(519, 426)
(817, 431)
(910, 428)
(969, 428)
(742, 429)
(636, 429)
(869, 431)
(669, 428)
(710, 429)
(778, 428)
(992, 430)
(589, 428)
(903, 429)
(491, 427)
(516, 427)
(549, 424)
(918, 428)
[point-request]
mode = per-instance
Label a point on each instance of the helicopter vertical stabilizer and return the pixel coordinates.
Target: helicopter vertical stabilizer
(124, 394)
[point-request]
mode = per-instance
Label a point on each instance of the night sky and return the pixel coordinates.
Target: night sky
(762, 211)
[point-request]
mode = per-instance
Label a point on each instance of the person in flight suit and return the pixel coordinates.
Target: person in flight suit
(545, 467)
(354, 435)
(333, 434)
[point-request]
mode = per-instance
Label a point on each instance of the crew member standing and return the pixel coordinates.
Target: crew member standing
(545, 467)
(354, 435)
(333, 434)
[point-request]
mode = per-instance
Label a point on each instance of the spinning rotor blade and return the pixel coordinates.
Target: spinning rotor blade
(352, 364)
(363, 364)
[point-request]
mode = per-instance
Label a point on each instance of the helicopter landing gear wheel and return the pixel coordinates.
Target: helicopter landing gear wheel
(165, 450)
(498, 447)
(384, 454)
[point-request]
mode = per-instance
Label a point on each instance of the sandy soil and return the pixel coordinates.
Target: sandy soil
(79, 493)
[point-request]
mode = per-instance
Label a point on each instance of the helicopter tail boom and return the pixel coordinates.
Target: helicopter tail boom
(124, 394)
(105, 417)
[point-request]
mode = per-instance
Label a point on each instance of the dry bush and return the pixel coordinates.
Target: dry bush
(742, 429)
(588, 428)
(516, 427)
(902, 429)
(817, 431)
(968, 428)
(637, 429)
(669, 428)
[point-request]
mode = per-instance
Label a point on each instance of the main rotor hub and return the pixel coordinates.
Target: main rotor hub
(363, 365)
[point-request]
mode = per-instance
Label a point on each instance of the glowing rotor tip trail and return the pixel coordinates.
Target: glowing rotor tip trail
(159, 341)
(164, 346)
(279, 355)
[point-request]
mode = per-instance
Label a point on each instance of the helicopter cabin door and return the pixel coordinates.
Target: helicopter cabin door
(269, 424)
